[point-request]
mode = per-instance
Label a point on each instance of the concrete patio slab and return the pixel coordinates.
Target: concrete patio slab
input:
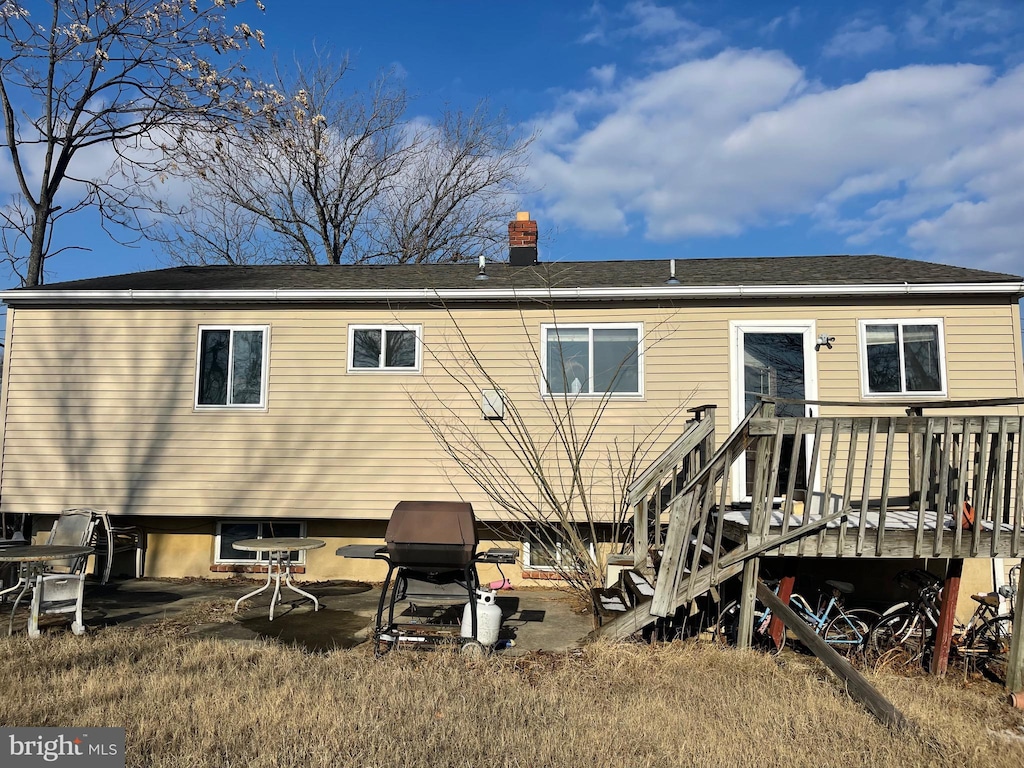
(536, 620)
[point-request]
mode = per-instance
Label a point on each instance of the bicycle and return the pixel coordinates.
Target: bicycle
(907, 624)
(846, 630)
(726, 629)
(910, 626)
(986, 641)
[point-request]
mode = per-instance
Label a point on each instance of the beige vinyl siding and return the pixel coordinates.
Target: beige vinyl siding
(100, 401)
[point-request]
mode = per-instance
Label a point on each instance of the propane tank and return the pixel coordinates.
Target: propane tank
(488, 618)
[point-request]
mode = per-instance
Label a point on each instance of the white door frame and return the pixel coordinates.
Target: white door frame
(737, 393)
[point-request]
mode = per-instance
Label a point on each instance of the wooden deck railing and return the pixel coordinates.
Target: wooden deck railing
(906, 483)
(653, 492)
(866, 486)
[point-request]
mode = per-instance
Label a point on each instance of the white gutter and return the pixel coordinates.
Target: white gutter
(131, 296)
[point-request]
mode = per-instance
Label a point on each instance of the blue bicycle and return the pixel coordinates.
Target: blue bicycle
(846, 630)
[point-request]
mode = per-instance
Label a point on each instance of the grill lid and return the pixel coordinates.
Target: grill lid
(431, 533)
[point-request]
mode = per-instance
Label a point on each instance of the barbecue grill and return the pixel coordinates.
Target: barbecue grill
(430, 549)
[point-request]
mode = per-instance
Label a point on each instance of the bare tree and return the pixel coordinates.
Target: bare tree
(88, 77)
(544, 464)
(327, 175)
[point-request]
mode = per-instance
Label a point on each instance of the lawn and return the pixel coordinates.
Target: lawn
(188, 702)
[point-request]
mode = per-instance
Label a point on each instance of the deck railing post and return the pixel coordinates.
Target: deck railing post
(760, 511)
(745, 632)
(916, 452)
(640, 532)
(762, 492)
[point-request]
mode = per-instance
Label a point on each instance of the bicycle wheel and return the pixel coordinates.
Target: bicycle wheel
(849, 631)
(900, 635)
(988, 648)
(726, 629)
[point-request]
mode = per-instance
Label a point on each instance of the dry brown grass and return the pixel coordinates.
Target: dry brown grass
(186, 702)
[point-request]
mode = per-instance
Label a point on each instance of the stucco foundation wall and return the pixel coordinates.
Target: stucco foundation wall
(186, 548)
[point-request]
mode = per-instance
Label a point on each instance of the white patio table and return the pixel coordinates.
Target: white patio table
(280, 562)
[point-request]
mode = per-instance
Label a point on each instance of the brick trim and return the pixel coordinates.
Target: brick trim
(242, 568)
(543, 575)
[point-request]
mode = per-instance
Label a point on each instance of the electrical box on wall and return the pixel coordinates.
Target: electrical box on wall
(492, 403)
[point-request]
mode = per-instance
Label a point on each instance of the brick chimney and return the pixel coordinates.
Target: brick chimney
(522, 240)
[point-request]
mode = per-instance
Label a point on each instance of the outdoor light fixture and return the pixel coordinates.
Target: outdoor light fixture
(824, 340)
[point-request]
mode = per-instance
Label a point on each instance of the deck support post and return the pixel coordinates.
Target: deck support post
(776, 627)
(947, 616)
(1015, 663)
(745, 633)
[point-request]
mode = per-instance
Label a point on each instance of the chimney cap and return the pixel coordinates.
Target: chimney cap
(523, 216)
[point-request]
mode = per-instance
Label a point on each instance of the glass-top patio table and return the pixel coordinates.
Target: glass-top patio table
(280, 549)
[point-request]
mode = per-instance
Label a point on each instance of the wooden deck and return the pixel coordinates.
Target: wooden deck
(862, 487)
(889, 481)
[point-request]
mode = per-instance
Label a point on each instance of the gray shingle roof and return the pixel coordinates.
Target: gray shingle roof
(780, 270)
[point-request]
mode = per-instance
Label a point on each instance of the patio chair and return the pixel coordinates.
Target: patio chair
(72, 528)
(60, 586)
(118, 538)
(56, 593)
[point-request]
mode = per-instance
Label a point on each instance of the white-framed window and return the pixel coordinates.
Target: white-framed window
(230, 531)
(231, 366)
(902, 357)
(394, 348)
(545, 549)
(593, 359)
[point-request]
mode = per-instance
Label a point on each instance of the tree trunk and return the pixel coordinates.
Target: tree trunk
(36, 257)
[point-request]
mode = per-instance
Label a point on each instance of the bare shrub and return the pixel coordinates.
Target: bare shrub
(557, 474)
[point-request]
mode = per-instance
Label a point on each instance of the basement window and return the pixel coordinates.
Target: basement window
(548, 549)
(230, 531)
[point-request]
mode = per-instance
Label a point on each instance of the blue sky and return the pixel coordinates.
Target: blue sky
(713, 128)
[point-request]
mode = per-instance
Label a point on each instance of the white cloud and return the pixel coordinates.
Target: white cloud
(671, 37)
(931, 154)
(652, 20)
(88, 163)
(604, 76)
(940, 21)
(790, 19)
(987, 211)
(859, 38)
